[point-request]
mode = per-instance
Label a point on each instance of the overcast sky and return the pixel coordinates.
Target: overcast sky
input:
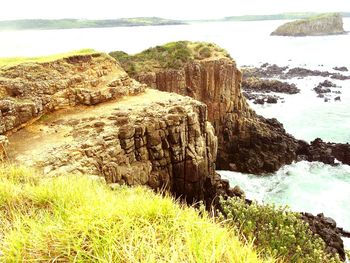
(178, 9)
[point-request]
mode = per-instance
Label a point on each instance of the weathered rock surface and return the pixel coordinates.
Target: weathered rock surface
(99, 121)
(30, 90)
(327, 24)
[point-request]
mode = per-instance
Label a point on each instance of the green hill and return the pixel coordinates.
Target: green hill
(27, 24)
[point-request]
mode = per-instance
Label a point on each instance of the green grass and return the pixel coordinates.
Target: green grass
(80, 219)
(277, 231)
(172, 55)
(13, 61)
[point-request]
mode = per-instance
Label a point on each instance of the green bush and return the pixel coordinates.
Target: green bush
(276, 230)
(205, 52)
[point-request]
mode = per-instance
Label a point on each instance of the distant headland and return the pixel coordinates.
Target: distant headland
(325, 24)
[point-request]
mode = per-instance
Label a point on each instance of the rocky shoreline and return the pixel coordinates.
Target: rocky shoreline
(271, 75)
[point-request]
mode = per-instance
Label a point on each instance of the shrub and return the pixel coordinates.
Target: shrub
(205, 52)
(275, 230)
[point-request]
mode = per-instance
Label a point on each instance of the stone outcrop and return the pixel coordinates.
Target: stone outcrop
(247, 142)
(327, 24)
(327, 153)
(96, 120)
(30, 90)
(252, 84)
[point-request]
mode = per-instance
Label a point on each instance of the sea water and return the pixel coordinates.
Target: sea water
(303, 186)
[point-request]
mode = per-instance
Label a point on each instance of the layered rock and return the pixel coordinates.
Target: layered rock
(327, 24)
(30, 90)
(96, 120)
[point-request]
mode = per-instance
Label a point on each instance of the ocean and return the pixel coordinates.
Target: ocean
(303, 186)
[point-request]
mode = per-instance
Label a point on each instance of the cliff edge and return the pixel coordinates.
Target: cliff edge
(84, 114)
(326, 24)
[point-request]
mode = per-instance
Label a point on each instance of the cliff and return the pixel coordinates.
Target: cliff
(246, 142)
(84, 114)
(326, 24)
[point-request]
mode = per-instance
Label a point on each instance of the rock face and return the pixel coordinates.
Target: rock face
(30, 90)
(99, 121)
(327, 24)
(247, 142)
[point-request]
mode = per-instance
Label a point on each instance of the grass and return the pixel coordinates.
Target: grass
(13, 61)
(173, 55)
(80, 219)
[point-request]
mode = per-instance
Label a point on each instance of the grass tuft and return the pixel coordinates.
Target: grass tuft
(80, 219)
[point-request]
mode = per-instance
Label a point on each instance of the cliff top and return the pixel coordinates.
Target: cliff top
(7, 62)
(172, 55)
(324, 24)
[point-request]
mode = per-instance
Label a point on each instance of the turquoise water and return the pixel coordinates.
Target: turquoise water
(303, 186)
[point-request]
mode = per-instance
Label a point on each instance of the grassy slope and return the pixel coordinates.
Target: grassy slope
(27, 24)
(80, 219)
(171, 55)
(13, 61)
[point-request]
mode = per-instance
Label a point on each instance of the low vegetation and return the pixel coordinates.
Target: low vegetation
(276, 230)
(172, 55)
(80, 219)
(13, 61)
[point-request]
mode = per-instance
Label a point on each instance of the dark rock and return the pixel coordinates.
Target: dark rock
(271, 99)
(327, 84)
(327, 153)
(341, 68)
(259, 101)
(264, 85)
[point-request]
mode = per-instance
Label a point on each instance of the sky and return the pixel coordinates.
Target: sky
(178, 9)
